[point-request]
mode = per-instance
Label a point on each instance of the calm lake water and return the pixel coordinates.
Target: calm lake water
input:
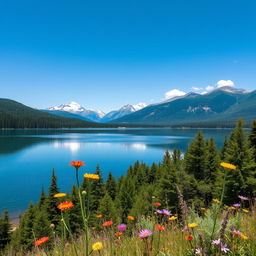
(28, 156)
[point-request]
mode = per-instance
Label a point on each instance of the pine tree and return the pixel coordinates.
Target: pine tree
(5, 231)
(52, 202)
(41, 224)
(107, 208)
(252, 138)
(111, 186)
(42, 200)
(242, 180)
(195, 157)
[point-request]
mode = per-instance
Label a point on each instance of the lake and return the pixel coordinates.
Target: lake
(28, 156)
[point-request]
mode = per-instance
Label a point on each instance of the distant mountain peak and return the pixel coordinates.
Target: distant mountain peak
(233, 90)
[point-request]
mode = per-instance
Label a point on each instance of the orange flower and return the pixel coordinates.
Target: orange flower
(99, 216)
(107, 223)
(118, 234)
(159, 228)
(65, 205)
(77, 164)
(92, 176)
(41, 241)
(157, 204)
(130, 218)
(189, 237)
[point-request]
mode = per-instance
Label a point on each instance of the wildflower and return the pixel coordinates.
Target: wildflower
(224, 248)
(245, 211)
(217, 201)
(157, 204)
(236, 205)
(203, 209)
(159, 228)
(243, 198)
(41, 241)
(216, 242)
(99, 216)
(244, 236)
(166, 212)
(52, 225)
(232, 208)
(236, 232)
(91, 176)
(58, 195)
(228, 166)
(84, 192)
(185, 228)
(173, 218)
(192, 225)
(107, 223)
(199, 251)
(189, 237)
(130, 218)
(145, 233)
(122, 227)
(159, 211)
(77, 164)
(118, 234)
(65, 205)
(97, 246)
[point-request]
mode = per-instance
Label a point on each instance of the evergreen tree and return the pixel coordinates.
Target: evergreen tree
(41, 224)
(5, 230)
(242, 180)
(107, 208)
(42, 200)
(195, 157)
(111, 186)
(52, 202)
(252, 138)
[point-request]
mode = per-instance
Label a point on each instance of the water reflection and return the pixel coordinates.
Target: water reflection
(72, 146)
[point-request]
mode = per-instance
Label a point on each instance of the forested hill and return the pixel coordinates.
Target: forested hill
(16, 115)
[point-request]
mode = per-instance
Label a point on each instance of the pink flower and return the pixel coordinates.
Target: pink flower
(145, 233)
(122, 227)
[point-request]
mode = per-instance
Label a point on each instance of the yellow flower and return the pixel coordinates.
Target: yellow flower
(92, 176)
(192, 225)
(244, 236)
(203, 209)
(59, 195)
(217, 201)
(232, 208)
(228, 166)
(97, 246)
(244, 210)
(173, 218)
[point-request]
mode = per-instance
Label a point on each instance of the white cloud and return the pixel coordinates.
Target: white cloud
(209, 88)
(196, 88)
(173, 93)
(222, 83)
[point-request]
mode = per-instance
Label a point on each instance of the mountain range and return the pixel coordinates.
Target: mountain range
(218, 108)
(221, 106)
(75, 110)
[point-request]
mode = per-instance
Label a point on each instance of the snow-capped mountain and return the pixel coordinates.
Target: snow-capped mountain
(75, 108)
(94, 115)
(123, 111)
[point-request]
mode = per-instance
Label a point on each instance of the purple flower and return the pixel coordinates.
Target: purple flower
(216, 242)
(166, 212)
(236, 205)
(145, 233)
(122, 227)
(185, 228)
(198, 251)
(243, 197)
(224, 248)
(159, 211)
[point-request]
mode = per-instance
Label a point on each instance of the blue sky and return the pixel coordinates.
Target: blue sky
(104, 54)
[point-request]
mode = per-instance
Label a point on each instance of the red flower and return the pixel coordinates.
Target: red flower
(77, 164)
(118, 234)
(107, 223)
(65, 205)
(130, 218)
(189, 237)
(159, 228)
(157, 204)
(41, 241)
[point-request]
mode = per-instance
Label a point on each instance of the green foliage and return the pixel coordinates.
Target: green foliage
(5, 230)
